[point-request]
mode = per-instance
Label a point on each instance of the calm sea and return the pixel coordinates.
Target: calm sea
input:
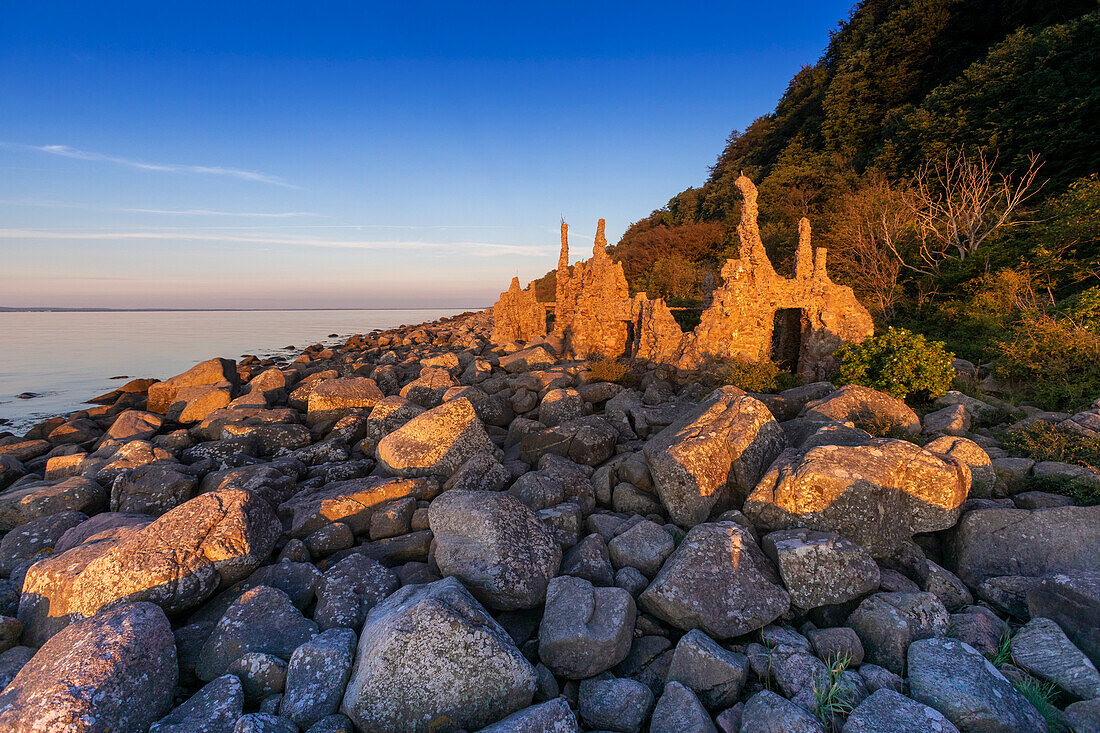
(69, 357)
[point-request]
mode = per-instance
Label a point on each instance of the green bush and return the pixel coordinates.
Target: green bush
(752, 376)
(899, 363)
(1045, 441)
(1084, 309)
(610, 370)
(1050, 362)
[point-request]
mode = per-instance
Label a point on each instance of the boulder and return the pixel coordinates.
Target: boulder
(717, 581)
(766, 712)
(35, 540)
(709, 459)
(152, 489)
(352, 502)
(349, 589)
(36, 499)
(866, 408)
(709, 670)
(644, 546)
(553, 716)
(213, 709)
(888, 623)
(560, 405)
(114, 672)
(529, 359)
(495, 545)
(983, 477)
(162, 395)
(886, 710)
(678, 710)
(614, 704)
(820, 568)
(176, 562)
(586, 440)
(132, 425)
(878, 494)
(316, 676)
(955, 679)
(435, 443)
(430, 657)
(585, 630)
(1031, 543)
(1044, 650)
(1073, 602)
(332, 399)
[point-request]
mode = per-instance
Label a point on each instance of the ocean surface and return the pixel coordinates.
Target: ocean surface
(68, 357)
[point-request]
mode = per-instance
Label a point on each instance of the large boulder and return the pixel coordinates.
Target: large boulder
(431, 658)
(113, 673)
(162, 395)
(1031, 543)
(866, 408)
(316, 677)
(585, 630)
(886, 710)
(586, 440)
(878, 494)
(332, 399)
(887, 623)
(177, 561)
(1073, 602)
(709, 460)
(955, 679)
(820, 568)
(36, 499)
(1044, 650)
(352, 502)
(435, 443)
(495, 545)
(152, 489)
(717, 581)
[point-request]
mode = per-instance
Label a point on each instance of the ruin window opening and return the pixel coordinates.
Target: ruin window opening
(787, 338)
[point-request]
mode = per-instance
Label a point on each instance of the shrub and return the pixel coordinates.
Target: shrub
(1046, 441)
(1050, 362)
(752, 376)
(1043, 696)
(899, 363)
(1083, 491)
(609, 370)
(1084, 309)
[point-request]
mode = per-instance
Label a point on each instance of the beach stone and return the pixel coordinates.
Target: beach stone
(495, 545)
(316, 676)
(614, 704)
(820, 568)
(105, 525)
(864, 407)
(132, 425)
(213, 709)
(709, 670)
(586, 440)
(349, 589)
(552, 716)
(529, 359)
(264, 723)
(482, 472)
(162, 395)
(709, 459)
(38, 499)
(152, 489)
(13, 660)
(114, 672)
(644, 546)
(128, 456)
(878, 494)
(983, 476)
(955, 679)
(717, 581)
(176, 562)
(333, 399)
(75, 431)
(194, 404)
(1073, 602)
(766, 712)
(1034, 543)
(261, 675)
(589, 559)
(435, 443)
(1084, 716)
(35, 539)
(886, 710)
(352, 502)
(585, 630)
(431, 657)
(1044, 650)
(678, 710)
(270, 438)
(888, 623)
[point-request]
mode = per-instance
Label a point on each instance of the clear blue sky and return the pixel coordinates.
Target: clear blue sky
(324, 154)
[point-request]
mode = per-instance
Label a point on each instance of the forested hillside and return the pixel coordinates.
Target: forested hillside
(945, 152)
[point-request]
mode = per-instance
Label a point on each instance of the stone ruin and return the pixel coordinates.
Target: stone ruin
(798, 322)
(518, 316)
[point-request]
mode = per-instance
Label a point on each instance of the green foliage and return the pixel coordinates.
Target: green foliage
(762, 376)
(899, 363)
(1083, 491)
(1003, 655)
(1047, 441)
(1042, 696)
(674, 278)
(1084, 309)
(1050, 362)
(834, 697)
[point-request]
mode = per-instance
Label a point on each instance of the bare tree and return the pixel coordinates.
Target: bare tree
(865, 238)
(959, 202)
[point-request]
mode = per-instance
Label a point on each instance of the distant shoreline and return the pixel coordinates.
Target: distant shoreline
(44, 309)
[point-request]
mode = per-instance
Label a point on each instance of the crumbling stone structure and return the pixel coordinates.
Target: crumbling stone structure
(799, 321)
(518, 316)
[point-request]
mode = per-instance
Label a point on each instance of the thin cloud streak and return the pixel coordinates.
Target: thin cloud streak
(215, 170)
(207, 212)
(474, 249)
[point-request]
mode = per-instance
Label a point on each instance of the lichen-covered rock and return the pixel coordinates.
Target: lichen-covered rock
(553, 716)
(711, 458)
(152, 489)
(37, 499)
(495, 545)
(349, 589)
(878, 494)
(711, 671)
(332, 399)
(1043, 649)
(162, 395)
(431, 658)
(213, 709)
(585, 630)
(614, 704)
(352, 502)
(766, 712)
(820, 568)
(112, 673)
(864, 407)
(886, 710)
(35, 539)
(586, 440)
(717, 581)
(887, 623)
(176, 562)
(316, 676)
(678, 710)
(435, 443)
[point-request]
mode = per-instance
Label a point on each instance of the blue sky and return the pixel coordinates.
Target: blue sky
(267, 154)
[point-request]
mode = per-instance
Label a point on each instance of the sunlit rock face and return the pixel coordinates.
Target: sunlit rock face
(435, 443)
(162, 395)
(518, 316)
(877, 494)
(175, 562)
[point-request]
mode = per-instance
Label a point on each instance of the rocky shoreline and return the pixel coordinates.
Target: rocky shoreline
(419, 530)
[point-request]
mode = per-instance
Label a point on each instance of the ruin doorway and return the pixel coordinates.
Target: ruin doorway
(787, 338)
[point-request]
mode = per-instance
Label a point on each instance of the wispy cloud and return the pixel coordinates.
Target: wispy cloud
(207, 212)
(473, 249)
(214, 170)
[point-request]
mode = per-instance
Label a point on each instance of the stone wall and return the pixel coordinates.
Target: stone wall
(518, 316)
